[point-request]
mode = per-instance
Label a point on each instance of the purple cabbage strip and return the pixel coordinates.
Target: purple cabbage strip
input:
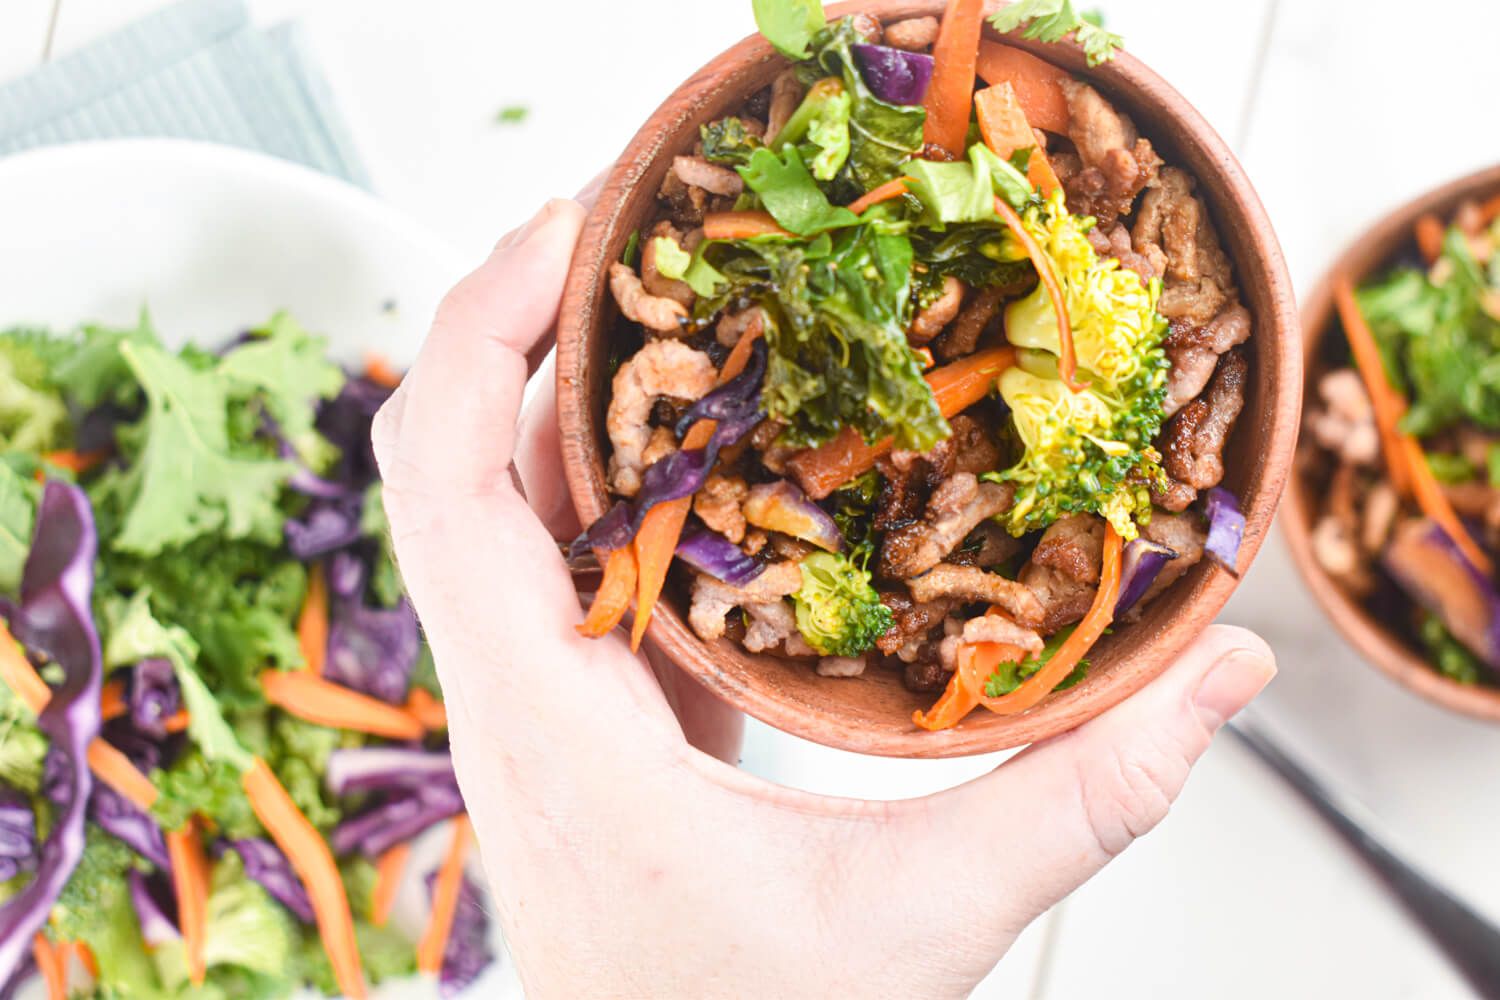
(399, 819)
(123, 820)
(893, 75)
(326, 526)
(54, 618)
(371, 650)
(1139, 569)
(157, 928)
(266, 865)
(710, 552)
(1226, 528)
(386, 768)
(345, 421)
(1434, 572)
(468, 953)
(782, 506)
(154, 696)
(17, 835)
(736, 407)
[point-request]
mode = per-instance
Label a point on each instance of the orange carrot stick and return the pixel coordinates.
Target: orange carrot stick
(951, 93)
(1434, 503)
(314, 699)
(1067, 361)
(885, 192)
(1429, 232)
(388, 871)
(312, 621)
(49, 962)
(1388, 405)
(429, 711)
(87, 958)
(656, 542)
(1038, 83)
(313, 862)
(112, 700)
(612, 599)
(378, 370)
(1489, 211)
(957, 701)
(1006, 130)
(956, 387)
(190, 884)
(76, 462)
(741, 226)
(445, 891)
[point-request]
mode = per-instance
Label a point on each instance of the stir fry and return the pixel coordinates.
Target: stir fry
(221, 728)
(927, 362)
(1404, 444)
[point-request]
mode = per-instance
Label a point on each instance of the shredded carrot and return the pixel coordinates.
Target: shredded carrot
(1388, 405)
(957, 701)
(429, 711)
(313, 862)
(656, 542)
(1067, 361)
(924, 358)
(314, 699)
(741, 226)
(1006, 131)
(950, 95)
(1038, 83)
(312, 622)
(76, 462)
(612, 599)
(1429, 232)
(1434, 503)
(1489, 211)
(378, 369)
(388, 871)
(51, 963)
(190, 884)
(956, 387)
(885, 192)
(112, 700)
(86, 958)
(445, 891)
(20, 676)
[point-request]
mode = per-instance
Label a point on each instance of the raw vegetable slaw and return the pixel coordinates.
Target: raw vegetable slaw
(221, 726)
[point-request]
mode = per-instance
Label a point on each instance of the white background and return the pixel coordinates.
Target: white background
(1339, 108)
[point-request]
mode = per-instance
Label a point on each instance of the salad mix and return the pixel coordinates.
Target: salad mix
(220, 729)
(1403, 444)
(926, 362)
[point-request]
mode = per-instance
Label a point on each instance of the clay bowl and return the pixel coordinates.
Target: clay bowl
(872, 714)
(1388, 241)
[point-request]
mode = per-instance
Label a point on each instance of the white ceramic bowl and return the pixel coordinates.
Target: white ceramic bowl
(214, 240)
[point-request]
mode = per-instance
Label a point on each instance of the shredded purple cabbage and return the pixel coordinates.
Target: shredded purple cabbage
(1226, 528)
(17, 835)
(894, 75)
(468, 953)
(371, 650)
(54, 620)
(326, 526)
(385, 769)
(266, 865)
(1142, 564)
(154, 696)
(127, 823)
(157, 928)
(782, 506)
(710, 552)
(398, 819)
(345, 421)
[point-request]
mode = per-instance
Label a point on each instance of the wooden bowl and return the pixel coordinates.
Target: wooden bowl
(872, 714)
(1377, 248)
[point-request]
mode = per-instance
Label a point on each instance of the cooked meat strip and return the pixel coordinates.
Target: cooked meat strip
(661, 368)
(1381, 507)
(755, 541)
(841, 666)
(931, 320)
(1194, 439)
(773, 626)
(1183, 534)
(970, 583)
(713, 599)
(695, 171)
(996, 545)
(1336, 549)
(1173, 496)
(791, 548)
(686, 205)
(1065, 579)
(927, 674)
(1174, 230)
(786, 94)
(1114, 241)
(655, 284)
(915, 548)
(912, 620)
(662, 443)
(733, 325)
(1113, 164)
(1194, 352)
(639, 306)
(907, 480)
(998, 628)
(962, 338)
(974, 448)
(1345, 424)
(914, 34)
(717, 505)
(868, 27)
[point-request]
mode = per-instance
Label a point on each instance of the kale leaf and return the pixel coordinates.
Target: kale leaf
(790, 194)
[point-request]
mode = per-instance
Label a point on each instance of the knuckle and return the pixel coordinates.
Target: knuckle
(1129, 791)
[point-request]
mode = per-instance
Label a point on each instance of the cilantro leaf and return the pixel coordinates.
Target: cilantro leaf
(185, 483)
(1009, 676)
(789, 24)
(1054, 20)
(512, 114)
(288, 370)
(791, 195)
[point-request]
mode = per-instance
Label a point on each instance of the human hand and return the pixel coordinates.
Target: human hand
(625, 861)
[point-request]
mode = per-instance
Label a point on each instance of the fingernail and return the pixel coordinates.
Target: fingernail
(1230, 685)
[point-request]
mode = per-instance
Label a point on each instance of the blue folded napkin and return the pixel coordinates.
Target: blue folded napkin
(195, 70)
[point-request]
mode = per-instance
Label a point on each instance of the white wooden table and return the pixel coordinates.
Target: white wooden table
(1339, 108)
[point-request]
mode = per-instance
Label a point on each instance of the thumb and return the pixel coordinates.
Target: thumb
(1061, 810)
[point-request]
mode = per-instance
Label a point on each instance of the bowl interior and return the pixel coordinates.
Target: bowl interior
(872, 713)
(1385, 243)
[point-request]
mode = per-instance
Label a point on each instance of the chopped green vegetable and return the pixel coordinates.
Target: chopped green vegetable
(1449, 468)
(965, 191)
(512, 114)
(1054, 20)
(1009, 676)
(17, 512)
(286, 370)
(246, 929)
(838, 611)
(791, 195)
(1447, 654)
(727, 143)
(820, 129)
(789, 24)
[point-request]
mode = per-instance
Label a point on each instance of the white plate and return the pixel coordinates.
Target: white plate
(214, 240)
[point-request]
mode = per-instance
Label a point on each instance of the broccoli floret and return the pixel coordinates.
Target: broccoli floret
(1088, 451)
(838, 612)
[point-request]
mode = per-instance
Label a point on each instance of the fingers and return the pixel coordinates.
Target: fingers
(539, 459)
(709, 724)
(1059, 812)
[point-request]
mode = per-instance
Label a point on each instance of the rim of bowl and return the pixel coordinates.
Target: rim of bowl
(1170, 622)
(1371, 251)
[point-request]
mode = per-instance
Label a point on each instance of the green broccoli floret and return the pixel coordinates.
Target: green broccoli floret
(838, 612)
(246, 929)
